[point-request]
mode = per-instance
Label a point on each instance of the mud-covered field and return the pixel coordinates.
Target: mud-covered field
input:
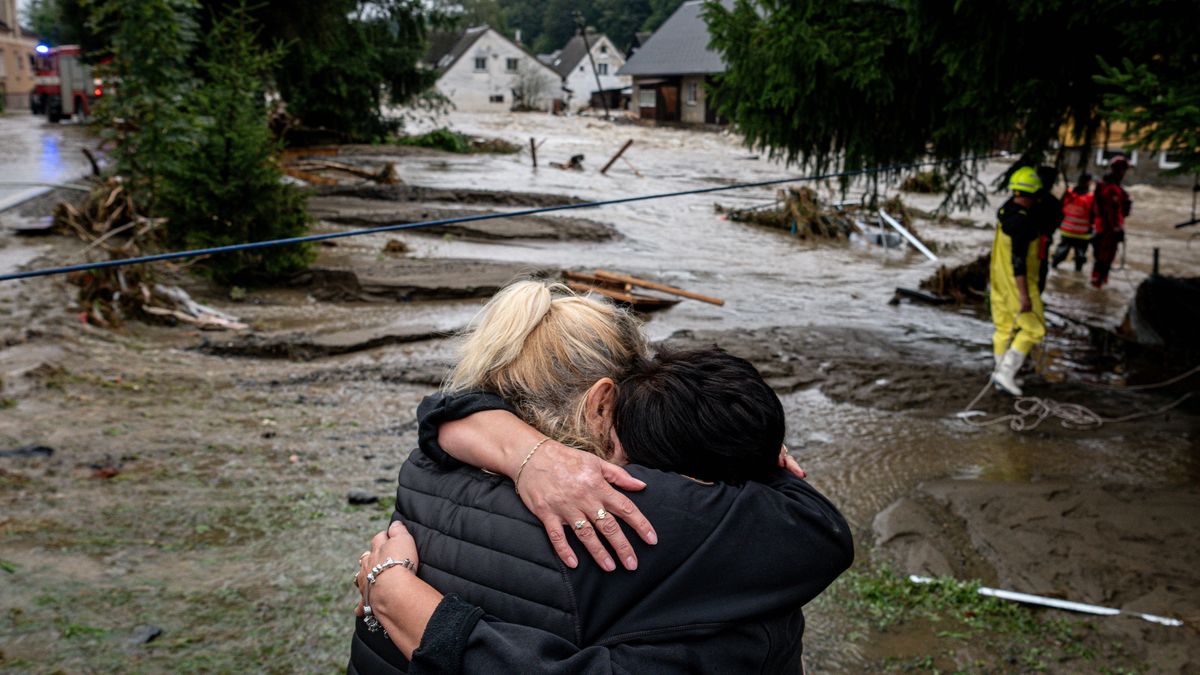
(176, 501)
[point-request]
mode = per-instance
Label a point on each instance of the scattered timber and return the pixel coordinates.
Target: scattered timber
(619, 278)
(620, 288)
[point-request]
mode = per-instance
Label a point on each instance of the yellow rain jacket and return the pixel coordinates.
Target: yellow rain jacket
(1015, 253)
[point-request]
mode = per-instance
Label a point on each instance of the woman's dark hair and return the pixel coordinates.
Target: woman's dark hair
(703, 413)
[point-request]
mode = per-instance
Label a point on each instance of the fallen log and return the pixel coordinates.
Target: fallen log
(385, 175)
(309, 177)
(919, 296)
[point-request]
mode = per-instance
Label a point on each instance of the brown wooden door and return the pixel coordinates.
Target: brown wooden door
(668, 103)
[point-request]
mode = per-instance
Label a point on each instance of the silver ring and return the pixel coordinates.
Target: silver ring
(579, 524)
(601, 514)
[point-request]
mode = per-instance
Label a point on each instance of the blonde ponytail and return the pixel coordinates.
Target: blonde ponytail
(542, 347)
(497, 334)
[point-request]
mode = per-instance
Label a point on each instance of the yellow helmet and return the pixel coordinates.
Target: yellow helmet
(1025, 179)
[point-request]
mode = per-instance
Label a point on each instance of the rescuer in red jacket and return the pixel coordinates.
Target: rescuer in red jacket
(1075, 231)
(1112, 205)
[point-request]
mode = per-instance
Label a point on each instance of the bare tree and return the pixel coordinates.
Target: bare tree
(531, 88)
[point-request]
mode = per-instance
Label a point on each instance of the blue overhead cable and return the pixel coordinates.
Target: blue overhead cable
(231, 248)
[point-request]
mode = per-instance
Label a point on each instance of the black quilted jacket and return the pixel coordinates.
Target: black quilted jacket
(721, 592)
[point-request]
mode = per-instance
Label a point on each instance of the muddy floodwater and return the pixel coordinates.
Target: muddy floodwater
(194, 483)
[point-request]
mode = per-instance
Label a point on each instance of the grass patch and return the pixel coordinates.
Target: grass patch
(957, 625)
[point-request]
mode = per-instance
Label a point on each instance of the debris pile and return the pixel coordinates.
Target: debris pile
(108, 221)
(453, 141)
(964, 284)
(924, 182)
(798, 211)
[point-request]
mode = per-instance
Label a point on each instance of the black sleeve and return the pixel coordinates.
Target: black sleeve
(460, 639)
(439, 408)
(1018, 225)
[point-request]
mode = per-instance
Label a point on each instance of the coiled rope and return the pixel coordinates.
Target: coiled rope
(1031, 411)
(215, 250)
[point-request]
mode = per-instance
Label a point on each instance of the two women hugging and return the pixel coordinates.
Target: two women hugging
(556, 420)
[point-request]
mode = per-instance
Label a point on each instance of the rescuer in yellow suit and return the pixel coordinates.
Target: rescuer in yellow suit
(1017, 309)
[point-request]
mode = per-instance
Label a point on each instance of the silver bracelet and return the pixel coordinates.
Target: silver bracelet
(368, 615)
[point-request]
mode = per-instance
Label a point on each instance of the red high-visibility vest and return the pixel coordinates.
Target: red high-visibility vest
(1077, 215)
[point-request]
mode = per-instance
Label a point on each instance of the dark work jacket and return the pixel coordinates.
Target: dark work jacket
(1017, 222)
(721, 592)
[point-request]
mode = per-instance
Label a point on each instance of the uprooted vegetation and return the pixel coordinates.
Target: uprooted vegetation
(453, 141)
(924, 182)
(965, 284)
(800, 212)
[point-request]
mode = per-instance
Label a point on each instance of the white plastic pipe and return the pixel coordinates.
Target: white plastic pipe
(1058, 604)
(907, 235)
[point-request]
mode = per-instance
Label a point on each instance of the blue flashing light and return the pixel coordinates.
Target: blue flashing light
(42, 48)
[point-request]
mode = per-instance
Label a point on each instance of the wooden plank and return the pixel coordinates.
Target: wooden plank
(594, 280)
(643, 302)
(654, 285)
(617, 156)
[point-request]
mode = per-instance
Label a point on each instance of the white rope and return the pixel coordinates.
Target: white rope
(1031, 411)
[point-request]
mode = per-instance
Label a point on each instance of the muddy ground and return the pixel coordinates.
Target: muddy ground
(196, 484)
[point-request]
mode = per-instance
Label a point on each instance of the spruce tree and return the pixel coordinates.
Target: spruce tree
(855, 84)
(225, 186)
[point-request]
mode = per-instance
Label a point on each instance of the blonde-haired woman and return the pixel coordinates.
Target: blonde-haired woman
(539, 355)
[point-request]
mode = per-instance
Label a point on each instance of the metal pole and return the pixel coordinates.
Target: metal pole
(907, 235)
(599, 87)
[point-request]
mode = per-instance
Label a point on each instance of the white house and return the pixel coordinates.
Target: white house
(482, 70)
(578, 81)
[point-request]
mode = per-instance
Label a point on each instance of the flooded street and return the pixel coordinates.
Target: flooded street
(33, 152)
(233, 453)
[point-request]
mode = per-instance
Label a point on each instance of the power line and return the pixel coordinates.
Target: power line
(231, 248)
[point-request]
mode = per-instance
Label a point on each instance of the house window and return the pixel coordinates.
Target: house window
(603, 49)
(646, 98)
(693, 93)
(1104, 154)
(1170, 159)
(496, 98)
(602, 68)
(480, 64)
(511, 65)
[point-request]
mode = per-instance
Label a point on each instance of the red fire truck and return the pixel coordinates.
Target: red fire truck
(64, 86)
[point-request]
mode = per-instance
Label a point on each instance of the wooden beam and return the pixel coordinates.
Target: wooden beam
(654, 285)
(617, 156)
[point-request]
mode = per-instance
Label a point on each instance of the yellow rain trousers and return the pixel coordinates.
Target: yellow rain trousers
(1006, 303)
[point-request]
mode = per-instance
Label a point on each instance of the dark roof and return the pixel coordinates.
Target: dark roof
(445, 49)
(574, 52)
(678, 47)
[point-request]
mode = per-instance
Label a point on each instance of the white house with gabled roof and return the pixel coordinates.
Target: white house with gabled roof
(575, 68)
(480, 70)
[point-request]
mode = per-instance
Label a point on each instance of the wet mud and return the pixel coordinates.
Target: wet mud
(417, 193)
(374, 213)
(1112, 545)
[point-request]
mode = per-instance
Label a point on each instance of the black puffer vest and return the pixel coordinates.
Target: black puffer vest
(721, 592)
